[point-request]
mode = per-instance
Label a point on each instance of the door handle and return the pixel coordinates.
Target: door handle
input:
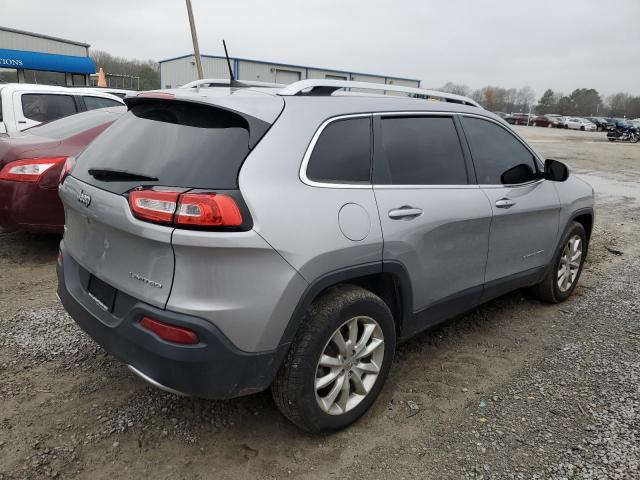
(505, 203)
(404, 212)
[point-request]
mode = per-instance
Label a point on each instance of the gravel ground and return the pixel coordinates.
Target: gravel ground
(512, 390)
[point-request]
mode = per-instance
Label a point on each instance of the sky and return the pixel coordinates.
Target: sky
(558, 44)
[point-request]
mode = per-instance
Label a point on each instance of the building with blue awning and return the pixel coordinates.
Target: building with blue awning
(34, 58)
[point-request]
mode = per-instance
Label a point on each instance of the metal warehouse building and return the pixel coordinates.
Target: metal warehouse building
(175, 72)
(33, 58)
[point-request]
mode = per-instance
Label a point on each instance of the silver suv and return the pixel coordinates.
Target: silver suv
(221, 241)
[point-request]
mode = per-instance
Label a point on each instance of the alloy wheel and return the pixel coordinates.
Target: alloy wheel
(349, 365)
(570, 262)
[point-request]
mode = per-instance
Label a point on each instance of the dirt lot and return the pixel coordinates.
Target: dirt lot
(514, 389)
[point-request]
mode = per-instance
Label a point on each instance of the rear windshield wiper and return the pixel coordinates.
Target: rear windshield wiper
(107, 175)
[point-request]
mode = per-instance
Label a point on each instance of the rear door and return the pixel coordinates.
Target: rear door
(157, 144)
(435, 220)
(34, 108)
(525, 207)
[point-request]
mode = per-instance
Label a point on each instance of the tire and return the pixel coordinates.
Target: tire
(294, 389)
(582, 128)
(550, 289)
(611, 139)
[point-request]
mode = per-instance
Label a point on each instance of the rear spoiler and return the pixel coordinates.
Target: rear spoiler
(257, 128)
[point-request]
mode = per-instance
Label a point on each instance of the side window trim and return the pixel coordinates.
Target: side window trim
(380, 174)
(536, 160)
(311, 146)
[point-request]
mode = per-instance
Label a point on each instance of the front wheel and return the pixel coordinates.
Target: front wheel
(564, 272)
(338, 362)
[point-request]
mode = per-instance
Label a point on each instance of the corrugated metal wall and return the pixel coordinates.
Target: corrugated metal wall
(22, 41)
(177, 72)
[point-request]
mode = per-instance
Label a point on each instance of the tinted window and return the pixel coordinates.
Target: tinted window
(182, 144)
(496, 153)
(423, 151)
(342, 153)
(75, 124)
(43, 107)
(99, 102)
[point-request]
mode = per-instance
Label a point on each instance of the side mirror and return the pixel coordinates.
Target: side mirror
(521, 173)
(555, 171)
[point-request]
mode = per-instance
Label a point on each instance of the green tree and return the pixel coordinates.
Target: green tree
(586, 101)
(548, 102)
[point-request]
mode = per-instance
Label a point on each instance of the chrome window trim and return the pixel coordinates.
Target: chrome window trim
(425, 187)
(309, 151)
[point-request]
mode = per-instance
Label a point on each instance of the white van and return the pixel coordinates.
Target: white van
(24, 105)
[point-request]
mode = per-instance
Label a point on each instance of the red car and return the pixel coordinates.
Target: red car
(31, 163)
(548, 121)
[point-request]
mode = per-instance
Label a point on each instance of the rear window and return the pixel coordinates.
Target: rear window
(74, 124)
(99, 102)
(44, 107)
(182, 144)
(342, 153)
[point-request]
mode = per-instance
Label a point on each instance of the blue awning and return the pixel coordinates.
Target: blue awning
(46, 61)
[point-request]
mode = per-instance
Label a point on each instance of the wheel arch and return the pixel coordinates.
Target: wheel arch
(585, 217)
(389, 280)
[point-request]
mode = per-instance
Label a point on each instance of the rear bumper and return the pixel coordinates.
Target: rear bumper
(214, 368)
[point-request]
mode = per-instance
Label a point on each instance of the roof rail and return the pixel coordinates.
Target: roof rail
(225, 82)
(327, 87)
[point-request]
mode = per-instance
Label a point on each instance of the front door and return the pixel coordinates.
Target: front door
(524, 230)
(435, 222)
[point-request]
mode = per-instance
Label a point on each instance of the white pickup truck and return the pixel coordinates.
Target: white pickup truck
(24, 105)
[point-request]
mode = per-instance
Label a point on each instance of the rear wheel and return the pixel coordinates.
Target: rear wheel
(562, 278)
(582, 128)
(338, 362)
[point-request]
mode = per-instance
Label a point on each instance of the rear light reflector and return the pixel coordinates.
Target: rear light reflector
(208, 209)
(154, 206)
(170, 333)
(29, 170)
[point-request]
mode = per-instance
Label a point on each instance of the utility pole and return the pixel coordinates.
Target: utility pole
(194, 37)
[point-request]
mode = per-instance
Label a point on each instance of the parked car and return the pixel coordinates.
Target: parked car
(547, 121)
(619, 123)
(23, 105)
(601, 123)
(575, 123)
(519, 118)
(31, 163)
(224, 242)
(502, 114)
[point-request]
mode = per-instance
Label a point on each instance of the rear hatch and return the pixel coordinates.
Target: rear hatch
(160, 143)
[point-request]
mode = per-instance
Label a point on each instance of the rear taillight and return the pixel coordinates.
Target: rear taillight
(153, 205)
(170, 333)
(29, 170)
(185, 209)
(208, 210)
(66, 168)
